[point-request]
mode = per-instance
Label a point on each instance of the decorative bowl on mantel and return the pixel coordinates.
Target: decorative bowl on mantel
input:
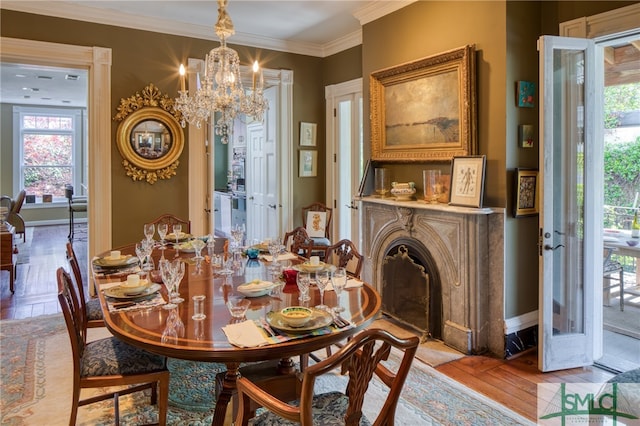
(403, 191)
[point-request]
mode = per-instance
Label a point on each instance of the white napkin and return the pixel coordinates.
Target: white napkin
(283, 256)
(244, 334)
(351, 283)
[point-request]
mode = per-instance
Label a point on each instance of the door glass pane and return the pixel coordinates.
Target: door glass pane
(568, 168)
(343, 167)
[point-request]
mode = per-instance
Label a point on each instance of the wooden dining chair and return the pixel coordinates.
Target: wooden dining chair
(318, 226)
(361, 358)
(344, 254)
(298, 242)
(76, 205)
(109, 362)
(90, 309)
(171, 220)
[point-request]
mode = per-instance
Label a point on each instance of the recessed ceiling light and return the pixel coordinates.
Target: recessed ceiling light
(27, 97)
(66, 102)
(71, 77)
(31, 89)
(21, 76)
(46, 99)
(44, 77)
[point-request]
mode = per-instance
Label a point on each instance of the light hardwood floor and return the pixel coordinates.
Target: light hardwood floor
(509, 382)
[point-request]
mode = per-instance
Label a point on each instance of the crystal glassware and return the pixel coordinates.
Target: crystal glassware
(322, 280)
(431, 185)
(177, 230)
(303, 280)
(163, 228)
(339, 282)
(149, 231)
(198, 244)
(178, 270)
(166, 273)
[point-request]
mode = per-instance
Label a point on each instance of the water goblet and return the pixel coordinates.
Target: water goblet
(303, 279)
(166, 273)
(149, 231)
(237, 305)
(339, 282)
(140, 253)
(178, 270)
(177, 230)
(322, 280)
(163, 228)
(198, 244)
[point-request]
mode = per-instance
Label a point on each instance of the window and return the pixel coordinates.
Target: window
(47, 150)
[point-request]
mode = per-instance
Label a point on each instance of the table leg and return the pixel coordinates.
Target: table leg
(286, 366)
(228, 387)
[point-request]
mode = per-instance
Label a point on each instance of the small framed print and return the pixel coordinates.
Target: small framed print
(467, 181)
(308, 163)
(525, 135)
(526, 193)
(47, 198)
(526, 91)
(308, 134)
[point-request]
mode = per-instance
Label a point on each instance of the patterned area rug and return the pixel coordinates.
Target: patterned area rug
(36, 388)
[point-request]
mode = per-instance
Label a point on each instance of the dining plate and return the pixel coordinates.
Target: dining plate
(118, 292)
(181, 237)
(319, 319)
(308, 267)
(255, 288)
(105, 262)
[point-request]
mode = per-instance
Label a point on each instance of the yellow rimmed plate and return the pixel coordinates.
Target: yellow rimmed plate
(107, 262)
(255, 289)
(119, 292)
(319, 319)
(308, 267)
(181, 237)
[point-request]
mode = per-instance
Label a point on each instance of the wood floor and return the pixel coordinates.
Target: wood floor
(509, 382)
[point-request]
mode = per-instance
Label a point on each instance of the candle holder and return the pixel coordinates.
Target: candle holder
(431, 185)
(383, 181)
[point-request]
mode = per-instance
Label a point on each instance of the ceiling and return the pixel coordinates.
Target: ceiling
(309, 27)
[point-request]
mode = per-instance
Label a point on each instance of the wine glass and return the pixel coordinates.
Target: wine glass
(198, 244)
(163, 228)
(303, 279)
(177, 230)
(149, 231)
(178, 272)
(339, 282)
(274, 248)
(322, 280)
(166, 273)
(170, 334)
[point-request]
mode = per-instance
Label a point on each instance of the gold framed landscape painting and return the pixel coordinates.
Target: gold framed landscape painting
(426, 109)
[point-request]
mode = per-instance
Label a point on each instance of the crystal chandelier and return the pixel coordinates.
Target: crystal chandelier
(221, 88)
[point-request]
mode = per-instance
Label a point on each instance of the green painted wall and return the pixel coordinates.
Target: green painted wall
(143, 57)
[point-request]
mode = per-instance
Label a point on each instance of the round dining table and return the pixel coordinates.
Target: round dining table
(204, 340)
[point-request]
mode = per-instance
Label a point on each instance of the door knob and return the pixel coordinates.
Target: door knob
(548, 247)
(272, 206)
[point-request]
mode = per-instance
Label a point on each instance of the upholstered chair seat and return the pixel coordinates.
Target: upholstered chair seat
(110, 357)
(328, 409)
(94, 312)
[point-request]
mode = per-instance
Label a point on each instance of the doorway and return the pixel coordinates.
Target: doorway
(344, 156)
(97, 62)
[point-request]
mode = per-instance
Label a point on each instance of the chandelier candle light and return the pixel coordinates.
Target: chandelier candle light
(221, 90)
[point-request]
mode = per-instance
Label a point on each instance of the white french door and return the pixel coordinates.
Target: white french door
(344, 156)
(570, 218)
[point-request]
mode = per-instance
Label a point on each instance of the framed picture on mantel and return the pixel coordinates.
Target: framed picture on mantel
(467, 181)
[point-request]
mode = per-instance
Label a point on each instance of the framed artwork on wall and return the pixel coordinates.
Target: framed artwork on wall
(308, 134)
(426, 109)
(308, 163)
(526, 90)
(526, 193)
(525, 136)
(467, 181)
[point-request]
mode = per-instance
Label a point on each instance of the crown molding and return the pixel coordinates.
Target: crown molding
(60, 9)
(376, 10)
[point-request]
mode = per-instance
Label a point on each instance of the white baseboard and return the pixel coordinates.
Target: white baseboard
(521, 322)
(54, 222)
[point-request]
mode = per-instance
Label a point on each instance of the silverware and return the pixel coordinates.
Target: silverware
(120, 305)
(267, 327)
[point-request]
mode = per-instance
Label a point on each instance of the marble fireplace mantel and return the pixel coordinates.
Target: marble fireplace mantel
(466, 245)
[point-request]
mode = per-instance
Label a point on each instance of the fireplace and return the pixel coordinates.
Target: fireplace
(438, 268)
